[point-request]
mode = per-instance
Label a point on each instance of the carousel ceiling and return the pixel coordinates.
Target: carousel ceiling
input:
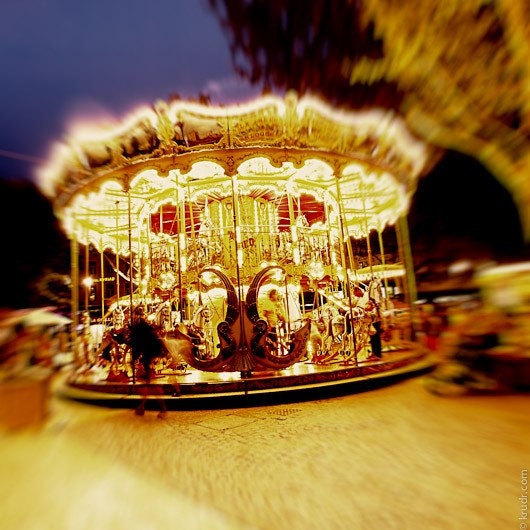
(111, 187)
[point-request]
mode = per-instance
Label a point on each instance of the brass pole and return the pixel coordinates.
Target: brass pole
(74, 268)
(235, 220)
(179, 270)
(87, 246)
(129, 228)
(117, 255)
(130, 272)
(411, 294)
(345, 271)
(102, 284)
(383, 262)
(368, 244)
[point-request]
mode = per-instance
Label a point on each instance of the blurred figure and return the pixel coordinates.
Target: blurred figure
(272, 309)
(376, 329)
(16, 353)
(364, 301)
(45, 347)
(86, 341)
(146, 348)
(431, 326)
(145, 392)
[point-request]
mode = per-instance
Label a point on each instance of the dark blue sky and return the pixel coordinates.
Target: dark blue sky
(63, 59)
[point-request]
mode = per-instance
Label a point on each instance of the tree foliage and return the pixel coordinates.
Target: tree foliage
(32, 244)
(304, 46)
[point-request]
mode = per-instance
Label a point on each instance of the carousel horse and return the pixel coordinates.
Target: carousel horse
(324, 335)
(179, 345)
(359, 336)
(201, 328)
(138, 344)
(114, 345)
(337, 339)
(320, 339)
(162, 316)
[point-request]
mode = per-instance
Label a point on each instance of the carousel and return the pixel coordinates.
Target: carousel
(240, 228)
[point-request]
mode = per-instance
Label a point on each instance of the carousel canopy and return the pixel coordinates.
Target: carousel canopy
(114, 186)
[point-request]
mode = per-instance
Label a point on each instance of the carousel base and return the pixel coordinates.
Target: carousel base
(303, 381)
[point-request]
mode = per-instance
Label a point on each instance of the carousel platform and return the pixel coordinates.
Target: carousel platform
(305, 380)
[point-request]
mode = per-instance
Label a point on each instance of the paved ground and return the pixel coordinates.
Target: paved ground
(394, 457)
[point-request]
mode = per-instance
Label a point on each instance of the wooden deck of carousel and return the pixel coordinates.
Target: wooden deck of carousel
(301, 381)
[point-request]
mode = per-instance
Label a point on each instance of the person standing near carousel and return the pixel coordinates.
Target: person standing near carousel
(373, 308)
(16, 352)
(273, 311)
(369, 301)
(146, 346)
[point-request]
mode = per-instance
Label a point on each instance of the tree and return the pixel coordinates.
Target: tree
(304, 46)
(32, 244)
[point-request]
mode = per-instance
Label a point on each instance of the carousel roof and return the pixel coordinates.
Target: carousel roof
(180, 152)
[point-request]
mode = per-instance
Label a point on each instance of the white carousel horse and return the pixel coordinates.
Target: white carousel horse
(332, 338)
(162, 316)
